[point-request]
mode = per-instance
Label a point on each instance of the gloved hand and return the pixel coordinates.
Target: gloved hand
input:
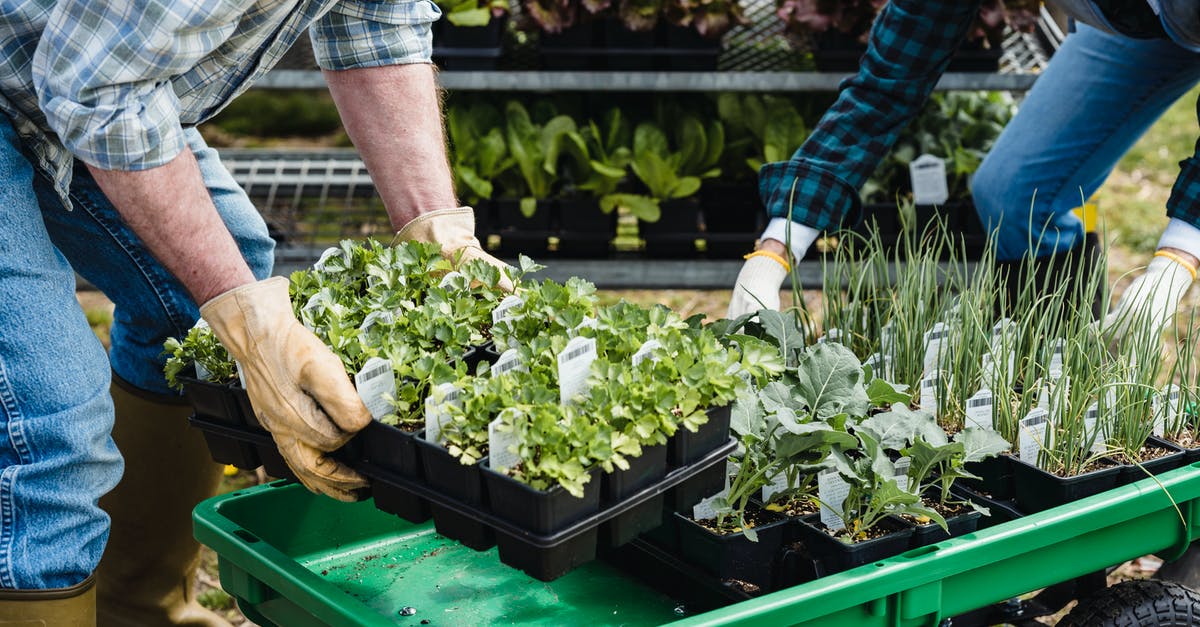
(454, 229)
(758, 283)
(299, 388)
(1153, 297)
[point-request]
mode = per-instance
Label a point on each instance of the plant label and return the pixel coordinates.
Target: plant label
(202, 373)
(1091, 426)
(502, 447)
(887, 338)
(1172, 394)
(437, 406)
(379, 316)
(902, 466)
(1001, 331)
(325, 257)
(1032, 438)
(928, 174)
(1059, 395)
(375, 382)
(504, 307)
(646, 351)
(1158, 409)
(509, 361)
(881, 366)
(707, 508)
(241, 373)
(574, 363)
(832, 491)
(834, 335)
(979, 410)
(776, 485)
(450, 279)
(1055, 367)
(587, 323)
(929, 392)
(937, 343)
(1043, 389)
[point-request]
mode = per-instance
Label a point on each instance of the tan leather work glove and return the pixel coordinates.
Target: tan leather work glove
(299, 388)
(454, 229)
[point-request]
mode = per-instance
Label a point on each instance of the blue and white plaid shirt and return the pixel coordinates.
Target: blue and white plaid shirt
(113, 82)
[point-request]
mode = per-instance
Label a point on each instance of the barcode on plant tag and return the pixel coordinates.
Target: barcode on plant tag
(928, 392)
(1033, 434)
(574, 362)
(776, 485)
(901, 476)
(834, 335)
(646, 351)
(887, 337)
(505, 306)
(375, 381)
(509, 361)
(502, 447)
(1091, 429)
(437, 406)
(706, 509)
(379, 316)
(832, 491)
(936, 344)
(450, 279)
(979, 410)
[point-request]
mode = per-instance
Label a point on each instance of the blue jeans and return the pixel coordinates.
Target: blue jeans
(56, 454)
(1098, 95)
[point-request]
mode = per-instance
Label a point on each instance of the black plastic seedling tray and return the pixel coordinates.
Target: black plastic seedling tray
(243, 447)
(544, 556)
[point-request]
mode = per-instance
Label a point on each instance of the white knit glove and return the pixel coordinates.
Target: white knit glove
(757, 285)
(1151, 301)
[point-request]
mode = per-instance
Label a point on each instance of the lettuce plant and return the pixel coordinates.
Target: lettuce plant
(199, 348)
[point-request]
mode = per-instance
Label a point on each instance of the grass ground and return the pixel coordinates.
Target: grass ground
(1132, 209)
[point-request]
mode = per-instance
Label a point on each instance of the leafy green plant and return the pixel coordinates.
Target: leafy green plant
(478, 148)
(473, 13)
(201, 350)
(536, 150)
(669, 173)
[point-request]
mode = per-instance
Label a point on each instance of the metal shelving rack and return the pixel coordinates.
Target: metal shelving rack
(333, 184)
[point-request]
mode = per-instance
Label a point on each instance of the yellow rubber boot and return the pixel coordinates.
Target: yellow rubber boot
(146, 576)
(60, 607)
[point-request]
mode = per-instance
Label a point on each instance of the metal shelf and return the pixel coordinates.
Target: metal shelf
(657, 81)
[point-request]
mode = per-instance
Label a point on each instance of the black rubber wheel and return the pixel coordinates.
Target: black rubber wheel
(1140, 603)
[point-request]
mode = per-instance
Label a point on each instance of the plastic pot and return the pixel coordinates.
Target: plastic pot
(995, 477)
(543, 512)
(836, 556)
(468, 47)
(484, 225)
(226, 444)
(686, 447)
(733, 556)
(643, 472)
(931, 533)
(585, 230)
(394, 450)
(212, 402)
(1131, 473)
(1038, 490)
(999, 511)
(676, 231)
(447, 475)
(686, 495)
(519, 234)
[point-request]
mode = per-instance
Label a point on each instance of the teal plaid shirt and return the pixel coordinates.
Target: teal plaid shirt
(114, 82)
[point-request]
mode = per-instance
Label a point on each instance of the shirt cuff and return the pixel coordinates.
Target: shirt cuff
(1181, 235)
(806, 193)
(140, 132)
(802, 237)
(358, 34)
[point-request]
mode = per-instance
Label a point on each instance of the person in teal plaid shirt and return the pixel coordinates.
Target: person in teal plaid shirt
(1124, 64)
(103, 173)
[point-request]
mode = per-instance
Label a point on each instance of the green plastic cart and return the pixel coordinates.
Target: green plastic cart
(294, 559)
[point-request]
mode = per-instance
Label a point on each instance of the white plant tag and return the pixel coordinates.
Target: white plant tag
(1158, 409)
(774, 486)
(832, 491)
(437, 404)
(1060, 394)
(1172, 394)
(374, 381)
(929, 392)
(502, 446)
(1033, 434)
(509, 361)
(202, 373)
(1001, 331)
(237, 365)
(1043, 388)
(1091, 428)
(979, 410)
(588, 322)
(902, 466)
(449, 279)
(1056, 358)
(887, 338)
(504, 306)
(646, 351)
(379, 316)
(928, 174)
(937, 343)
(325, 256)
(574, 362)
(706, 509)
(834, 335)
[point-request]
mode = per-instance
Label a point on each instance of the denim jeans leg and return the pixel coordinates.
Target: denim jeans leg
(56, 454)
(1098, 95)
(151, 304)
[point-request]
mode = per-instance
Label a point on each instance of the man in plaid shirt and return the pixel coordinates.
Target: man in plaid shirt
(1126, 62)
(104, 174)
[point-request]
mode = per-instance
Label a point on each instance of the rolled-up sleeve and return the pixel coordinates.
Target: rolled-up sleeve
(365, 33)
(911, 44)
(102, 73)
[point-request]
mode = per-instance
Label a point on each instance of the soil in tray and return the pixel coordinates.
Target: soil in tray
(1186, 439)
(1146, 454)
(948, 510)
(1099, 464)
(754, 518)
(796, 507)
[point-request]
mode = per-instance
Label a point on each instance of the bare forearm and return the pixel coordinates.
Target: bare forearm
(393, 116)
(170, 209)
